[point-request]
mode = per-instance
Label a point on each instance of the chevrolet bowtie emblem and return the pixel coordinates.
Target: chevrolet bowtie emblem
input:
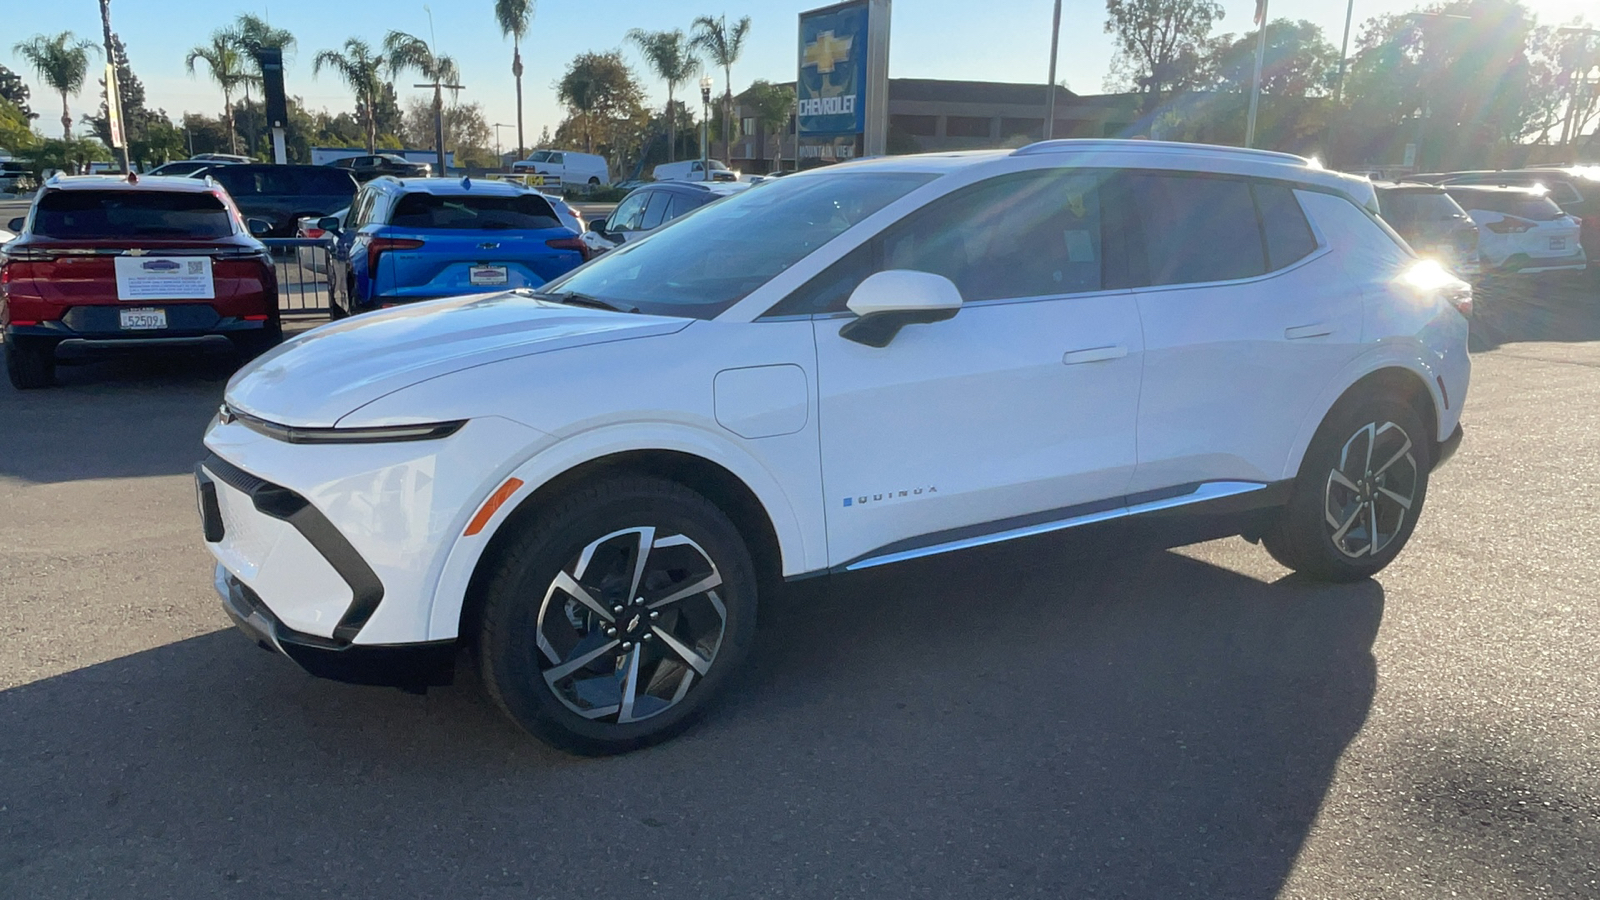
(827, 52)
(488, 245)
(136, 252)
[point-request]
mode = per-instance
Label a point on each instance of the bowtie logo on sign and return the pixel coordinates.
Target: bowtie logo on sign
(826, 52)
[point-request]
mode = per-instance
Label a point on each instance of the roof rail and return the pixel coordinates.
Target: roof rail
(1079, 144)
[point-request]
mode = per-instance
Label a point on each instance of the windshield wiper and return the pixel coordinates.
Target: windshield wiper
(573, 298)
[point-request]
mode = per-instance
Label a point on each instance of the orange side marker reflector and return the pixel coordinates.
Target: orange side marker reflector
(492, 505)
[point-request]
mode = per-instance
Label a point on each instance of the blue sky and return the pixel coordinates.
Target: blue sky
(997, 41)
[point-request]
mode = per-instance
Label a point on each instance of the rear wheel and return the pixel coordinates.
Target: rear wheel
(252, 344)
(1358, 494)
(614, 618)
(30, 362)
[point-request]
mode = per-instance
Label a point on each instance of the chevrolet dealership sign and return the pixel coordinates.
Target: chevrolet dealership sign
(843, 84)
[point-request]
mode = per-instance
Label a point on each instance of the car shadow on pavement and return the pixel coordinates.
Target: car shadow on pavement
(1559, 307)
(120, 417)
(1053, 719)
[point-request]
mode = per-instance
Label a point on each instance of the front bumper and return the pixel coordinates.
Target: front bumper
(410, 666)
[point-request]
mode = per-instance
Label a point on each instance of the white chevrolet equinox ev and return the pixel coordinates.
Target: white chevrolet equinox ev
(845, 368)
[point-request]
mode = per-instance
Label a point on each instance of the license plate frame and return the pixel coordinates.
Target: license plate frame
(488, 276)
(142, 318)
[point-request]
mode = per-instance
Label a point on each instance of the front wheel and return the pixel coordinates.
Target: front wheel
(617, 615)
(1359, 492)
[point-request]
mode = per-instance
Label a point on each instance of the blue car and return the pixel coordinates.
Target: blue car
(410, 239)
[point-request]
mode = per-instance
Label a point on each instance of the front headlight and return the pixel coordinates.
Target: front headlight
(373, 435)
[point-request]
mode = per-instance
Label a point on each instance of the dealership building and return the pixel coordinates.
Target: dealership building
(928, 115)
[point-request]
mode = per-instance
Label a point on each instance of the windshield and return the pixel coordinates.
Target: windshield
(526, 211)
(1536, 207)
(706, 262)
(540, 156)
(120, 214)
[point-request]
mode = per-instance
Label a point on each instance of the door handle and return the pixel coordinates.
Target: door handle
(1301, 332)
(1093, 354)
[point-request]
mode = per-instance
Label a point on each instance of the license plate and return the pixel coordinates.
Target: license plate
(1558, 243)
(487, 275)
(143, 319)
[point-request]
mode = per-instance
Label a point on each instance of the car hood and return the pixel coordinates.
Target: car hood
(324, 374)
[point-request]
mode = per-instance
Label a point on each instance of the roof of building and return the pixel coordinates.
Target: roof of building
(994, 92)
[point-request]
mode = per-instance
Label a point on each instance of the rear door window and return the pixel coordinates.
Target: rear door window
(483, 212)
(123, 214)
(1197, 229)
(1284, 227)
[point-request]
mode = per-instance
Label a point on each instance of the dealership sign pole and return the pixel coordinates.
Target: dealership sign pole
(842, 91)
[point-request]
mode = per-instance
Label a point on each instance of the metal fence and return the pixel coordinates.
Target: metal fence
(302, 265)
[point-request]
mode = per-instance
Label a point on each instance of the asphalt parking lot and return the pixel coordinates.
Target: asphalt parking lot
(1090, 717)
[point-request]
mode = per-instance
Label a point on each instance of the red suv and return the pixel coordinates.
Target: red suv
(104, 262)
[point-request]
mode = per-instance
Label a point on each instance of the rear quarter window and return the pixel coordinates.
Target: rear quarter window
(524, 211)
(124, 214)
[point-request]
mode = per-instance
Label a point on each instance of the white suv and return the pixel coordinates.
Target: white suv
(841, 369)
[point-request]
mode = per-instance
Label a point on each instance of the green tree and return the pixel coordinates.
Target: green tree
(599, 86)
(1161, 44)
(68, 156)
(62, 62)
(226, 66)
(15, 91)
(1298, 62)
(253, 34)
(723, 46)
(407, 53)
(671, 57)
(361, 70)
(772, 105)
(16, 133)
(514, 18)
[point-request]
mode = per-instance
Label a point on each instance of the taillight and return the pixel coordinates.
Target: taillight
(1428, 279)
(569, 244)
(1510, 225)
(377, 246)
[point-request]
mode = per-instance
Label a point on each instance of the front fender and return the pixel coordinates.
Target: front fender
(801, 537)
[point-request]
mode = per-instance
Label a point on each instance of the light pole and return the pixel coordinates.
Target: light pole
(497, 127)
(705, 127)
(1344, 52)
(1055, 46)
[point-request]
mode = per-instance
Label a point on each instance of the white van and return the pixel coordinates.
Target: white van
(571, 166)
(690, 170)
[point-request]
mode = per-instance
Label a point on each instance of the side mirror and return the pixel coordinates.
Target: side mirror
(258, 227)
(329, 224)
(598, 226)
(888, 301)
(16, 224)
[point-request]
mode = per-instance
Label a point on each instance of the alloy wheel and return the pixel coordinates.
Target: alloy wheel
(1372, 490)
(630, 625)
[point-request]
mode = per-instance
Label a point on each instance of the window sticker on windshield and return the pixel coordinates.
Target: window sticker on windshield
(1080, 246)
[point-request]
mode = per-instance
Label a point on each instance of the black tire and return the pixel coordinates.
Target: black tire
(535, 633)
(1380, 447)
(252, 344)
(594, 181)
(335, 311)
(30, 362)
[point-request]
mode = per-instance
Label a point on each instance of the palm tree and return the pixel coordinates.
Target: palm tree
(226, 64)
(62, 62)
(252, 34)
(772, 104)
(672, 59)
(406, 53)
(514, 17)
(362, 71)
(722, 46)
